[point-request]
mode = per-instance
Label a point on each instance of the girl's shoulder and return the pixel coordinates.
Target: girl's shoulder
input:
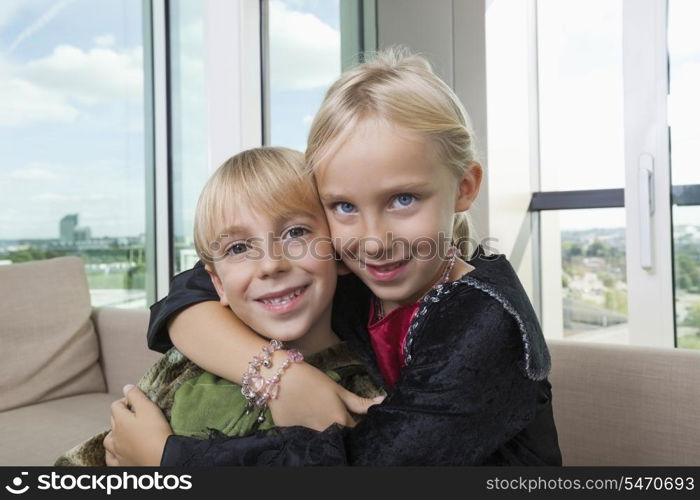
(492, 285)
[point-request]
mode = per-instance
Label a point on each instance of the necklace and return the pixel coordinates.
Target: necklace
(452, 252)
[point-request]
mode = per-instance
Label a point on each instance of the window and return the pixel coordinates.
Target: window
(307, 45)
(684, 122)
(303, 59)
(609, 133)
(188, 124)
(581, 135)
(72, 139)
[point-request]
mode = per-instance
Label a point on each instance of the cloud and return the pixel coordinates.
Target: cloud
(23, 102)
(51, 197)
(34, 172)
(304, 51)
(99, 74)
(104, 40)
(683, 40)
(53, 88)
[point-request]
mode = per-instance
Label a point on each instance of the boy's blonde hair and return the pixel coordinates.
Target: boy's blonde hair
(401, 88)
(271, 180)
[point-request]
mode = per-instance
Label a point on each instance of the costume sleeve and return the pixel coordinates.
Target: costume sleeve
(463, 396)
(187, 288)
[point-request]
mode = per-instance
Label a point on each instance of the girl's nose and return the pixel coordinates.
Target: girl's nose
(372, 246)
(374, 240)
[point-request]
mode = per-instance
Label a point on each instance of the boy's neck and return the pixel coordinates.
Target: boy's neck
(319, 337)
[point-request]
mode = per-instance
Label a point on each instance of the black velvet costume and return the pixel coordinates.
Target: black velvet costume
(474, 390)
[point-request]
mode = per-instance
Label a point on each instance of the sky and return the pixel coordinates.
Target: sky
(72, 115)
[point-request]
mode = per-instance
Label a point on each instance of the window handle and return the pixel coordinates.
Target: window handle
(646, 208)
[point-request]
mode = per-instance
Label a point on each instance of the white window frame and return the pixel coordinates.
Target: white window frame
(232, 64)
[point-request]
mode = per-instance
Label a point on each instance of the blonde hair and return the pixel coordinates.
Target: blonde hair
(401, 88)
(270, 180)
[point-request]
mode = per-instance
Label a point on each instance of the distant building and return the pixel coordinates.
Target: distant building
(71, 233)
(82, 234)
(67, 228)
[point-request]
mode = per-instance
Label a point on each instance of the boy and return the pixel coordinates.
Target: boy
(262, 233)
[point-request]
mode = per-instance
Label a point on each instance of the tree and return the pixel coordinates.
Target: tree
(608, 281)
(598, 249)
(693, 317)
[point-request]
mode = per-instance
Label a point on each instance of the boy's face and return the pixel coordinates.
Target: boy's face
(390, 205)
(277, 274)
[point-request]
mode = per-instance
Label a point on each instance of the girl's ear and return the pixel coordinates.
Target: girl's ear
(469, 186)
(217, 284)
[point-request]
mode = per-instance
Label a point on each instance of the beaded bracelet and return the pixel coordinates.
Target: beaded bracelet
(255, 388)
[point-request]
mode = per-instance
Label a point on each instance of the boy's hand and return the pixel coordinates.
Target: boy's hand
(310, 398)
(139, 431)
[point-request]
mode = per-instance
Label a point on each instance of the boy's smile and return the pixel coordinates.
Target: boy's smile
(283, 301)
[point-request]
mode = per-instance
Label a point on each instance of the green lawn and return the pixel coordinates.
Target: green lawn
(107, 281)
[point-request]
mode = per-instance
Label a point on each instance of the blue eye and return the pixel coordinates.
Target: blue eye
(344, 208)
(297, 232)
(236, 249)
(404, 200)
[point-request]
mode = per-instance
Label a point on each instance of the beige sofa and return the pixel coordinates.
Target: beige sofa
(614, 405)
(62, 363)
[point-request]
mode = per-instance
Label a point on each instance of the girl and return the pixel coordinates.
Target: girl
(457, 343)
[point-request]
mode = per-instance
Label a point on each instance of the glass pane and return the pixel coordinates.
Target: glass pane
(592, 290)
(188, 124)
(686, 246)
(72, 178)
(684, 119)
(304, 59)
(581, 94)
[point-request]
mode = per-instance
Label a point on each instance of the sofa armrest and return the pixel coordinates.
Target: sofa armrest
(124, 355)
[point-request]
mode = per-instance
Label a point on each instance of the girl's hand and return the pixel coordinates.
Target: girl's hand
(308, 397)
(139, 431)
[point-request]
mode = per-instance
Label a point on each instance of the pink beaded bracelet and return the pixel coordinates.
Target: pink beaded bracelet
(255, 388)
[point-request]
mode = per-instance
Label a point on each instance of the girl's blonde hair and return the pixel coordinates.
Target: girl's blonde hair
(401, 88)
(270, 180)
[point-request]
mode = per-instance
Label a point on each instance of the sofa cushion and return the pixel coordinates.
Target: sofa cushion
(619, 405)
(38, 434)
(48, 345)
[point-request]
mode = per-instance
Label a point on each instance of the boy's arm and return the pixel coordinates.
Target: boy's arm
(212, 337)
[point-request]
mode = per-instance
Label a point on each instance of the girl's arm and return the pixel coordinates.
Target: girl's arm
(211, 336)
(463, 397)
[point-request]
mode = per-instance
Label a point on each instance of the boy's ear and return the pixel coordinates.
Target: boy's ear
(217, 284)
(469, 186)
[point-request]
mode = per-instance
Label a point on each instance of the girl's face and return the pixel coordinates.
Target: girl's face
(390, 207)
(279, 275)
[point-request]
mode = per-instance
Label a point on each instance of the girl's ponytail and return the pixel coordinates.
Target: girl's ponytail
(464, 236)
